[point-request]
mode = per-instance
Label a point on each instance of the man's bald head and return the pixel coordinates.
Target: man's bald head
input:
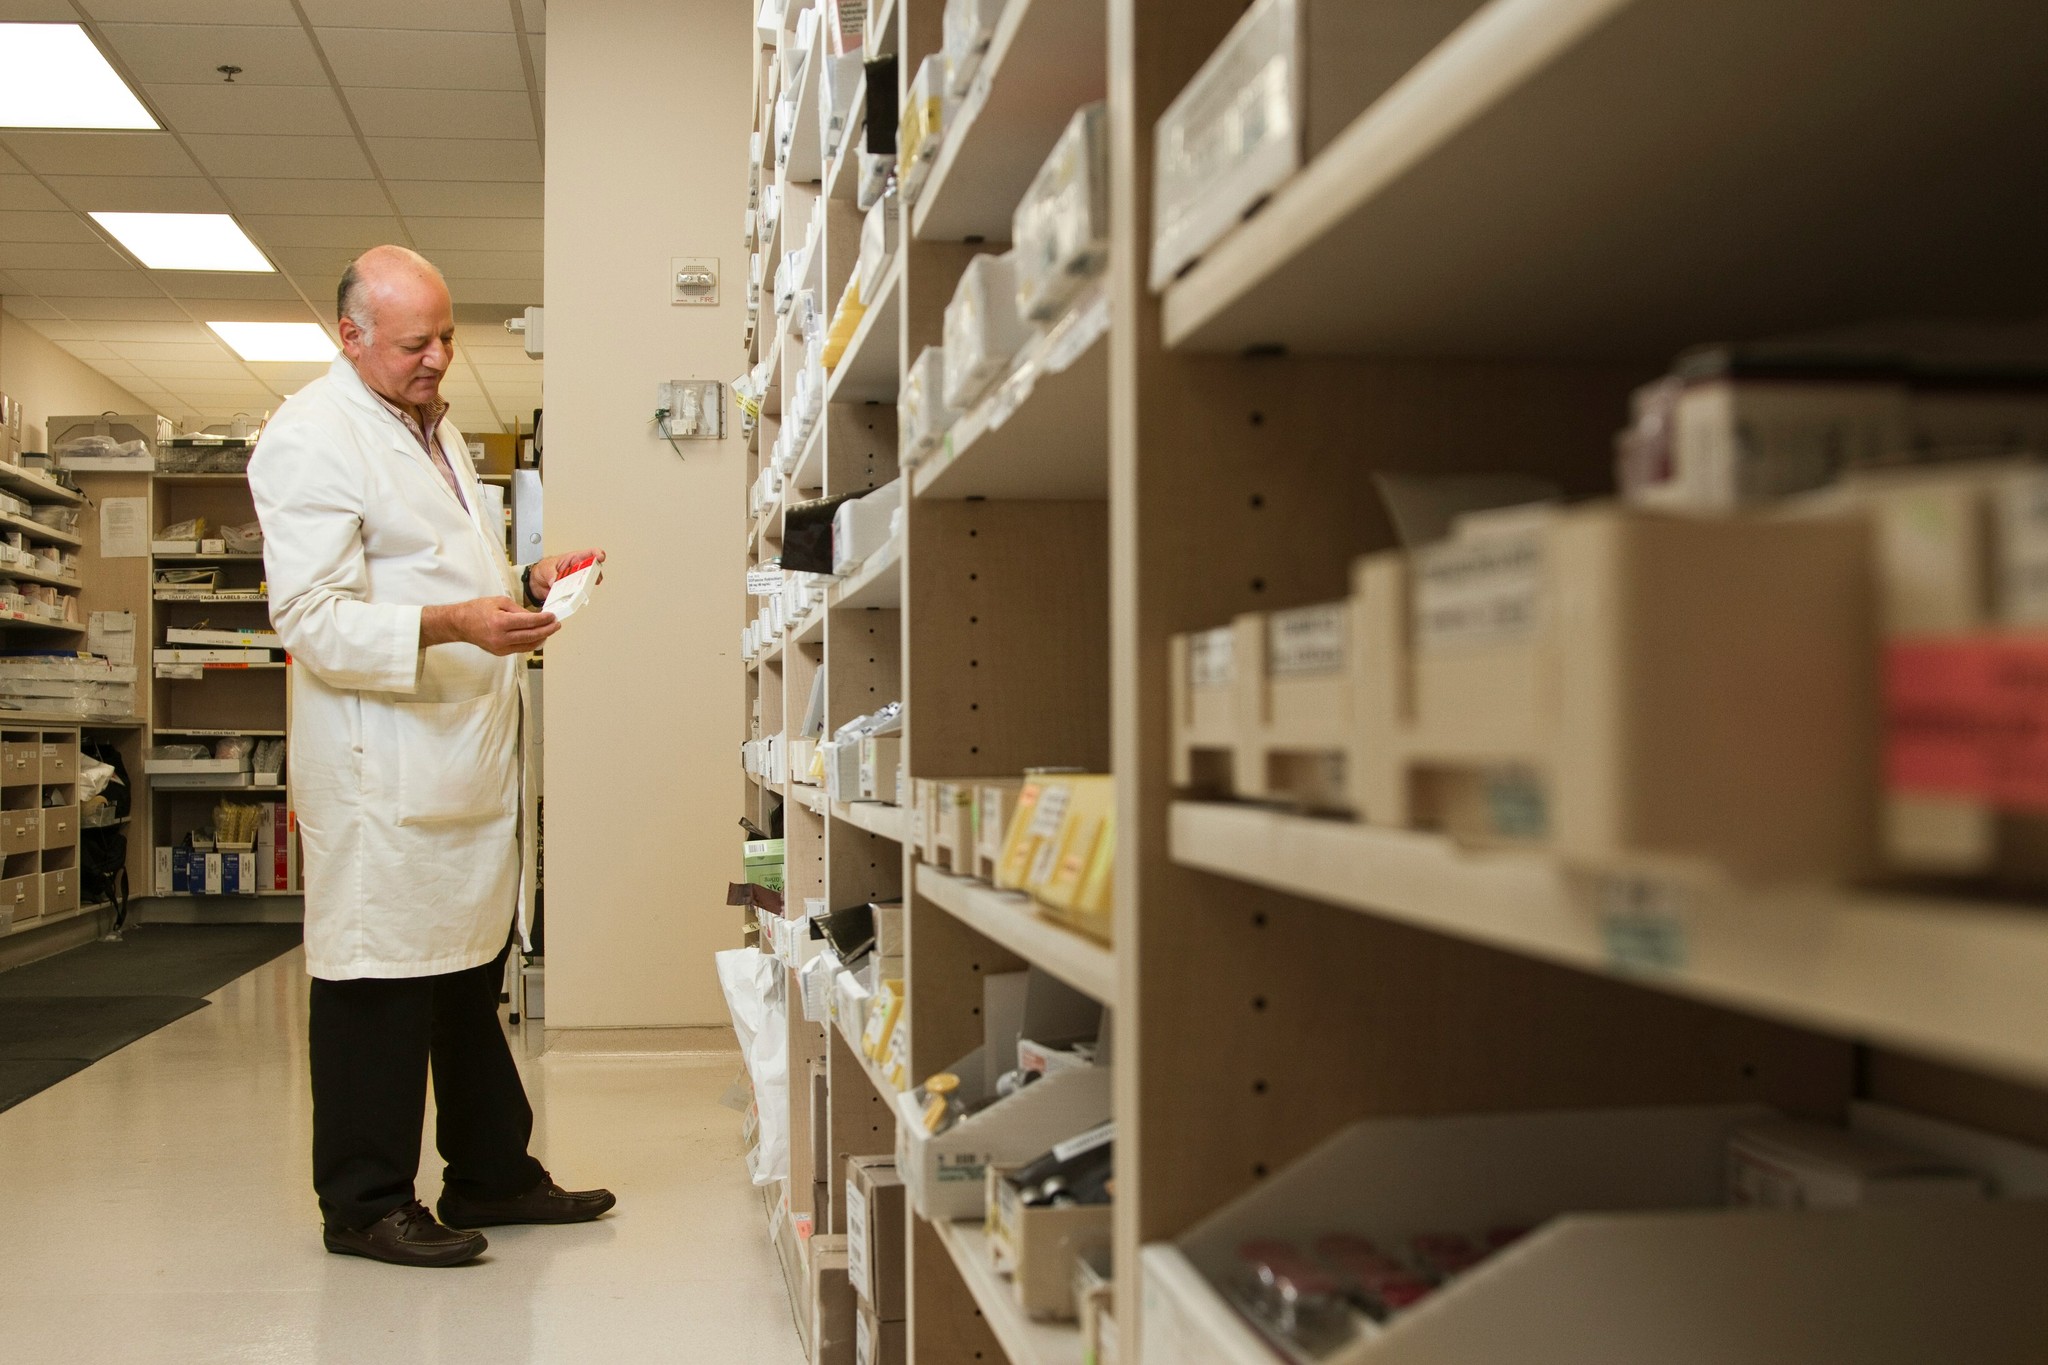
(397, 324)
(383, 271)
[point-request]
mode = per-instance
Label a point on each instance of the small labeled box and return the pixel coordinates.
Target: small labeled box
(1621, 686)
(983, 329)
(1289, 77)
(876, 1228)
(1037, 1247)
(1061, 227)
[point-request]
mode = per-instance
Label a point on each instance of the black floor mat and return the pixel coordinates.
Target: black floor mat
(62, 1014)
(19, 1080)
(84, 1027)
(155, 959)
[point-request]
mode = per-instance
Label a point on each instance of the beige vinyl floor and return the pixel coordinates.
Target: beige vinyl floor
(155, 1207)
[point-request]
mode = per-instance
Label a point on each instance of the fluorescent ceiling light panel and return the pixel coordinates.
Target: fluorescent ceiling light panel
(186, 241)
(276, 340)
(56, 78)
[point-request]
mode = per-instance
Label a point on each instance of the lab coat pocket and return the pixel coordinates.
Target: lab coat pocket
(457, 760)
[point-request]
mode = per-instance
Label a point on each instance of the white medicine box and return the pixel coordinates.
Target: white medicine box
(1287, 80)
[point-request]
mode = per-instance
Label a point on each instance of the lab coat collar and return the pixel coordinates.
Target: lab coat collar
(352, 386)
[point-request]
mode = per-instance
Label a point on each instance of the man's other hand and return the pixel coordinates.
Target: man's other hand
(497, 625)
(546, 571)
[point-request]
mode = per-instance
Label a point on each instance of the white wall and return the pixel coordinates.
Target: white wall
(49, 379)
(647, 125)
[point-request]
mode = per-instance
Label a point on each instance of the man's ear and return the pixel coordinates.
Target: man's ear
(351, 337)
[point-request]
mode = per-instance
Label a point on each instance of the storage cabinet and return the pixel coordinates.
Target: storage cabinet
(38, 824)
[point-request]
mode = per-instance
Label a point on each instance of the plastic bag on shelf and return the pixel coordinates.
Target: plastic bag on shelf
(195, 529)
(751, 982)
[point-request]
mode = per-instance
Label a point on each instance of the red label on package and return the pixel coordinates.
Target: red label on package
(1969, 717)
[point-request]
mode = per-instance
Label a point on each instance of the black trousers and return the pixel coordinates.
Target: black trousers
(372, 1039)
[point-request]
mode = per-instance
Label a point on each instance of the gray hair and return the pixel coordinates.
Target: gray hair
(352, 297)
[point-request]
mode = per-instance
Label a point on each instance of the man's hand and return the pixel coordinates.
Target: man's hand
(497, 625)
(546, 571)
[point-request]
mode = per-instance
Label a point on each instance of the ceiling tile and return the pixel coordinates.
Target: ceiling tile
(186, 54)
(194, 369)
(188, 285)
(290, 377)
(476, 234)
(189, 332)
(141, 353)
(501, 265)
(9, 166)
(27, 308)
(138, 193)
(99, 284)
(44, 227)
(443, 113)
(424, 60)
(509, 293)
(252, 310)
(95, 309)
(349, 232)
(60, 256)
(311, 264)
(280, 110)
(62, 330)
(114, 368)
(411, 14)
(467, 199)
(65, 153)
(259, 155)
(535, 13)
(194, 387)
(425, 158)
(26, 193)
(305, 196)
(87, 350)
(193, 11)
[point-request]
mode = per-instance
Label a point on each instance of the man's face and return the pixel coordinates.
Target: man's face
(412, 344)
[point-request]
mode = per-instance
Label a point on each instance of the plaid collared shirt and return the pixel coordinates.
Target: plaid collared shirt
(429, 437)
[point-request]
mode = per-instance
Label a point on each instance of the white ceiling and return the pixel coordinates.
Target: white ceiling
(352, 122)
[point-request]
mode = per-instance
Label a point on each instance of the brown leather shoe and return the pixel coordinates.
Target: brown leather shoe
(408, 1235)
(546, 1202)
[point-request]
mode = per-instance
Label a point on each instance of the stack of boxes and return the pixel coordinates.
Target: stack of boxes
(876, 1235)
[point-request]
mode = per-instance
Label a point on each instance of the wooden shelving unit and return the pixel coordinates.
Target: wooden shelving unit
(1472, 276)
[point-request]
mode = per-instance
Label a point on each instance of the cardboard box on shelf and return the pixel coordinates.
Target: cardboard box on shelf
(1626, 687)
(1793, 1164)
(950, 846)
(832, 1304)
(881, 763)
(880, 1342)
(994, 801)
(1038, 1247)
(876, 1226)
(944, 1173)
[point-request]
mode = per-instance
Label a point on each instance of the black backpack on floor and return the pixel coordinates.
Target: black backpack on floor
(103, 853)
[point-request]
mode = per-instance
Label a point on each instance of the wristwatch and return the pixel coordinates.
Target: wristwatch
(526, 585)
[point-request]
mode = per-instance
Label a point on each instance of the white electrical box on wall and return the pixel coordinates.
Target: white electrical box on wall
(692, 409)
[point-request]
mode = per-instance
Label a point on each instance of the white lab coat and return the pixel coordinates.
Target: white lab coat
(405, 764)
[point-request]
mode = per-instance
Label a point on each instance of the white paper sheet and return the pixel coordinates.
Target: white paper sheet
(124, 528)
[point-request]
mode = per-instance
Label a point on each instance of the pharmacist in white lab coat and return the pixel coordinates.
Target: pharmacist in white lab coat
(406, 625)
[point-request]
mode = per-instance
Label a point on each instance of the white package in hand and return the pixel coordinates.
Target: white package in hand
(572, 590)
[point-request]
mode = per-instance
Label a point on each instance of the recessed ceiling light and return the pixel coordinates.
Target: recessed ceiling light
(56, 78)
(186, 241)
(276, 340)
